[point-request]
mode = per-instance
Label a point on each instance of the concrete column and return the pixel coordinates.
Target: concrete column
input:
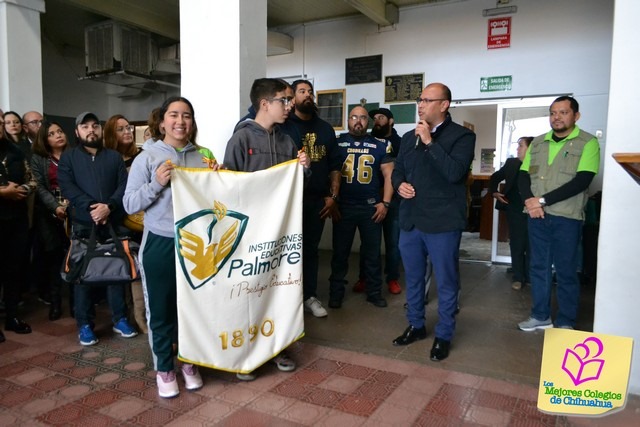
(223, 49)
(617, 291)
(20, 55)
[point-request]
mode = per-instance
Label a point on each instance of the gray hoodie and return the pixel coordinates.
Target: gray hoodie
(252, 148)
(144, 193)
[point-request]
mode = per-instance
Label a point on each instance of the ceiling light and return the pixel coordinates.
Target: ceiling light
(500, 11)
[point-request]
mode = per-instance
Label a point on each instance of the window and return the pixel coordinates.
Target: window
(331, 107)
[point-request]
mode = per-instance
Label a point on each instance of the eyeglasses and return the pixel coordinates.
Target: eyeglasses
(285, 101)
(123, 129)
(356, 117)
(87, 127)
(35, 123)
(427, 100)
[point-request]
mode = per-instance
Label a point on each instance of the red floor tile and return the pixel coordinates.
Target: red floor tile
(113, 384)
(100, 398)
(494, 400)
(359, 405)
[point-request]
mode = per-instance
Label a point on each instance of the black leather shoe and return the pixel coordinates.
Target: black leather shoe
(16, 325)
(335, 303)
(377, 300)
(410, 335)
(440, 350)
(55, 311)
(2, 338)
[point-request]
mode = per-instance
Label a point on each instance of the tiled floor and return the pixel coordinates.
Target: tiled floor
(348, 372)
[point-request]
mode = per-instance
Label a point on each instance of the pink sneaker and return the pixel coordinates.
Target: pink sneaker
(192, 378)
(167, 384)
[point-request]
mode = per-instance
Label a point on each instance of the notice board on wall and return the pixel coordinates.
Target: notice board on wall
(403, 87)
(364, 69)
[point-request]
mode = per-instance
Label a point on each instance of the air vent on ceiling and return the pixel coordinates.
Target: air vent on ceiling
(111, 46)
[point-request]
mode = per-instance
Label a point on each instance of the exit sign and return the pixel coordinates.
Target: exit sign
(495, 84)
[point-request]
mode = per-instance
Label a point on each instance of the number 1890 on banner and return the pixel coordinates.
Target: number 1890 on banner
(266, 329)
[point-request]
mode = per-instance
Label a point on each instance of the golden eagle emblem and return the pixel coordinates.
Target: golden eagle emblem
(203, 260)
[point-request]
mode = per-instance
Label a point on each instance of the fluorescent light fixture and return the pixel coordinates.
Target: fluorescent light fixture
(500, 11)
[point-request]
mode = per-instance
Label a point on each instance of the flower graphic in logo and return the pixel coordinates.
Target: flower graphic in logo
(201, 261)
(581, 363)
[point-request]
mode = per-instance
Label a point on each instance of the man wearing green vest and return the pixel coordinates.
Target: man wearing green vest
(554, 179)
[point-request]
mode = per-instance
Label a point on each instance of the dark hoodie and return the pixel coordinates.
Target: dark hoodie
(252, 148)
(319, 141)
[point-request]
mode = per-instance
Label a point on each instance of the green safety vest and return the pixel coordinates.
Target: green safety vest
(547, 177)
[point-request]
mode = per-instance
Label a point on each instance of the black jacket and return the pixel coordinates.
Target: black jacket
(508, 173)
(14, 168)
(85, 179)
(438, 174)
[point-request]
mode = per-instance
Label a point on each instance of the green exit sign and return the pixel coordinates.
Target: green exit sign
(495, 84)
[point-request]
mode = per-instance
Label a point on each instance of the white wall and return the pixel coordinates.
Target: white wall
(618, 290)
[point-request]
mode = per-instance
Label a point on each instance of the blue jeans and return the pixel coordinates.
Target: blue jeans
(312, 227)
(391, 232)
(554, 244)
(443, 251)
(356, 217)
(86, 311)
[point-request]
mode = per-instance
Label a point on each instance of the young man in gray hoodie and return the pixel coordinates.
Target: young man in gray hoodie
(259, 144)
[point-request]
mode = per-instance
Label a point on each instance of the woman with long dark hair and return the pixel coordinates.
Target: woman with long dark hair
(148, 189)
(14, 132)
(50, 215)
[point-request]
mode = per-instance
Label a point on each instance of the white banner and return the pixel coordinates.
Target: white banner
(239, 264)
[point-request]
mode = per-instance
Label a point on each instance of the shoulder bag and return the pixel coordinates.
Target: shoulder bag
(90, 262)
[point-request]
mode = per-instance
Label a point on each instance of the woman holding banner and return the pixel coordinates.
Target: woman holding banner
(148, 189)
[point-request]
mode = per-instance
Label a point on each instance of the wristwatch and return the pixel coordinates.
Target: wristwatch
(334, 197)
(542, 202)
(386, 204)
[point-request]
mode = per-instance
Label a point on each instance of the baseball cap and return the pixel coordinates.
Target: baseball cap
(83, 117)
(384, 111)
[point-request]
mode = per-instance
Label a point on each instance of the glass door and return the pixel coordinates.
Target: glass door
(515, 119)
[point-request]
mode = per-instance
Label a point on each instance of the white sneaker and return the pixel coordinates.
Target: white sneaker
(313, 305)
(167, 384)
(246, 377)
(192, 378)
(284, 362)
(531, 324)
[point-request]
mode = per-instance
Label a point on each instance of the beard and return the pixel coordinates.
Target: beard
(93, 143)
(358, 131)
(381, 131)
(307, 107)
